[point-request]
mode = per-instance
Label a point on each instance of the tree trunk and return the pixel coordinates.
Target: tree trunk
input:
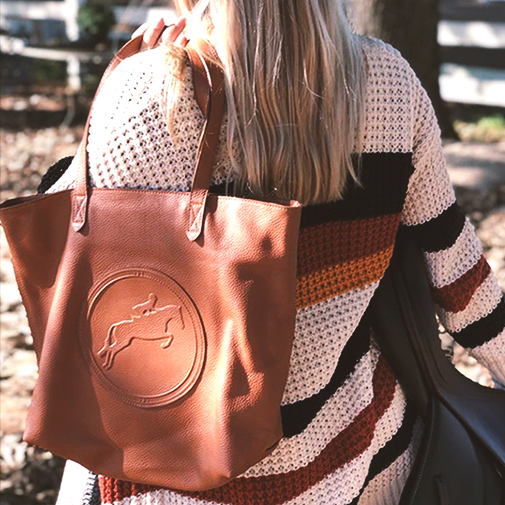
(411, 27)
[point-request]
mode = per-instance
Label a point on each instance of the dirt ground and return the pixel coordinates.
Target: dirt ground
(30, 476)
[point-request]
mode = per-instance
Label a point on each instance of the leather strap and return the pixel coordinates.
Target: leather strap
(209, 77)
(210, 95)
(80, 201)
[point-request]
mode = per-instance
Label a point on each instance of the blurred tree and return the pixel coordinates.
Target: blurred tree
(96, 19)
(411, 27)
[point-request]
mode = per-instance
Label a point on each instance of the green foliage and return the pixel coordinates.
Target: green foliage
(486, 129)
(49, 72)
(496, 122)
(96, 19)
(90, 81)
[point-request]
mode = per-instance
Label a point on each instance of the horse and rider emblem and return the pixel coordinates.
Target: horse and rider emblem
(148, 322)
(142, 337)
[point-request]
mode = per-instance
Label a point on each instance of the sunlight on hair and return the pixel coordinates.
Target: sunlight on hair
(295, 85)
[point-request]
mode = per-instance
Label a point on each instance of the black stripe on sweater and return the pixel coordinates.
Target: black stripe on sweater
(384, 179)
(483, 330)
(53, 174)
(392, 450)
(297, 416)
(442, 231)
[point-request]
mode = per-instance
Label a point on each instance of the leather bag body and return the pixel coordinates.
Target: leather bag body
(461, 459)
(162, 321)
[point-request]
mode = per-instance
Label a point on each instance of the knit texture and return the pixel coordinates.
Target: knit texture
(349, 435)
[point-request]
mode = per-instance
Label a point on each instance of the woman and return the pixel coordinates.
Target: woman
(352, 135)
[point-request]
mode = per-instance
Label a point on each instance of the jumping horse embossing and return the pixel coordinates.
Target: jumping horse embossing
(147, 323)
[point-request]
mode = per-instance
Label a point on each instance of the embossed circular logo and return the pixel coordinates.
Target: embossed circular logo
(143, 338)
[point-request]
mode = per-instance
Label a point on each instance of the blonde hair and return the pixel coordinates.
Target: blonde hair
(295, 85)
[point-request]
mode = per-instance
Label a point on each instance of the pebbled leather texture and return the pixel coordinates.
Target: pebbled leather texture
(461, 460)
(162, 358)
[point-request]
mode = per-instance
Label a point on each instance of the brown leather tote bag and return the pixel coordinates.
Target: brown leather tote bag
(162, 321)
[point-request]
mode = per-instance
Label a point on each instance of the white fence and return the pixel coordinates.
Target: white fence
(66, 11)
(471, 84)
(458, 83)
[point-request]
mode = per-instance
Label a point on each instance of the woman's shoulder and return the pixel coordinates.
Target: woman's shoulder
(372, 45)
(385, 64)
(141, 67)
(139, 82)
(391, 98)
(148, 63)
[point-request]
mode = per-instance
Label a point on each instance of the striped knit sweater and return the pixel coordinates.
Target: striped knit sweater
(349, 434)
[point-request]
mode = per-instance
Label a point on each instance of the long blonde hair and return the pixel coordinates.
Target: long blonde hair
(295, 85)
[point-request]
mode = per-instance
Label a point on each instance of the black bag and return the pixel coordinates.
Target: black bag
(461, 460)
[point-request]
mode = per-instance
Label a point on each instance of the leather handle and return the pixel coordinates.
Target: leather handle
(80, 199)
(209, 93)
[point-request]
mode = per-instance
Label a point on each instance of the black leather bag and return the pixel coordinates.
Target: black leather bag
(461, 460)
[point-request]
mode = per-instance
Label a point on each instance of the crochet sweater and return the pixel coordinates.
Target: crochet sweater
(349, 433)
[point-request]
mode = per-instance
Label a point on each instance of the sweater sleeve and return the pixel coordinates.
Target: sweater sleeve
(468, 299)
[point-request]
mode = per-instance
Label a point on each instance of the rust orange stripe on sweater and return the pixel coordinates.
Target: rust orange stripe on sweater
(456, 296)
(279, 488)
(321, 285)
(343, 241)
